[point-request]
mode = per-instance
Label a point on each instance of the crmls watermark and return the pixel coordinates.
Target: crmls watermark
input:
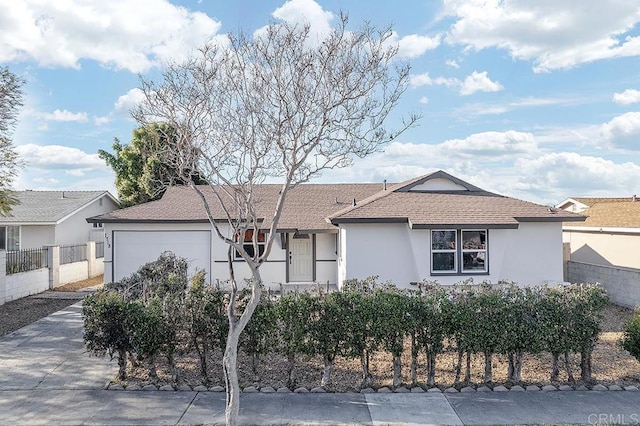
(613, 419)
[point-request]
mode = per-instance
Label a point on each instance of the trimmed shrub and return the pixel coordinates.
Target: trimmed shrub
(631, 339)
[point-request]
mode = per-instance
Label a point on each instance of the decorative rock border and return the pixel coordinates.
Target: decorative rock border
(385, 389)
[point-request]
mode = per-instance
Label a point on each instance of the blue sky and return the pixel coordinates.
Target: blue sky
(537, 100)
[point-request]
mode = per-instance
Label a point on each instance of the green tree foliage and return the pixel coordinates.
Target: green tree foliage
(631, 339)
(10, 103)
(206, 320)
(260, 335)
(141, 173)
(293, 313)
(105, 326)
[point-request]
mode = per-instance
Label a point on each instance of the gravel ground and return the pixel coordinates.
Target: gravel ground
(21, 312)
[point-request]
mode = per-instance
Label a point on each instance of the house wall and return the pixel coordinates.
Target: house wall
(74, 229)
(36, 236)
(529, 255)
(602, 248)
(273, 271)
(72, 272)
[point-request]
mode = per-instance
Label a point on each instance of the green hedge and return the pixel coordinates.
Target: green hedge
(147, 318)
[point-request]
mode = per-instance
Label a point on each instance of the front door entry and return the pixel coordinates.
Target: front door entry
(300, 258)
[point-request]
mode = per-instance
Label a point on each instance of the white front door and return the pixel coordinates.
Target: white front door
(300, 258)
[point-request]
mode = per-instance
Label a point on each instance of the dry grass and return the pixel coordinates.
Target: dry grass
(611, 364)
(79, 285)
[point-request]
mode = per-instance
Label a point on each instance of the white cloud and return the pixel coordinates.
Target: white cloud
(474, 82)
(492, 145)
(567, 174)
(424, 100)
(99, 121)
(58, 157)
(124, 34)
(129, 100)
(305, 12)
(63, 115)
(629, 96)
(479, 82)
(452, 64)
(414, 45)
(623, 130)
(552, 34)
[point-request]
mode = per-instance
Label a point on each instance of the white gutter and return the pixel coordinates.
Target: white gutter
(603, 229)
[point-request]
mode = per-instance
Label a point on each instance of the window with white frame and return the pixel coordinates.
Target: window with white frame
(455, 251)
(10, 238)
(248, 243)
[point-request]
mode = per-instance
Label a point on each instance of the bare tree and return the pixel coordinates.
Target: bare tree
(278, 106)
(10, 103)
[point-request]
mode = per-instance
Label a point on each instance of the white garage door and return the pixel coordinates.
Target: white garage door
(132, 249)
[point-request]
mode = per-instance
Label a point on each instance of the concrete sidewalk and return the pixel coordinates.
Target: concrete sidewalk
(46, 377)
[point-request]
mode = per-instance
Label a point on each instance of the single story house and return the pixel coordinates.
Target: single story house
(610, 235)
(47, 218)
(434, 227)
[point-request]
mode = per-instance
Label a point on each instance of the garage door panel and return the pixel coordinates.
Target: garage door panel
(132, 249)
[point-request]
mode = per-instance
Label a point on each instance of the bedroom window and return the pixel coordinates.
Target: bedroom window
(248, 243)
(455, 251)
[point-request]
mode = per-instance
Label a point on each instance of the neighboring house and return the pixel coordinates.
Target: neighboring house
(45, 218)
(610, 235)
(435, 227)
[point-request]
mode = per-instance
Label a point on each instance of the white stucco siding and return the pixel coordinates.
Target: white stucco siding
(604, 248)
(74, 229)
(529, 255)
(36, 236)
(378, 249)
(326, 258)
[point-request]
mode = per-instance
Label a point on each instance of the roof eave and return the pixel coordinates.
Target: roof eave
(576, 218)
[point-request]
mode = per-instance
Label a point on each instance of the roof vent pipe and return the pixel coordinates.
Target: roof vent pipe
(354, 202)
(62, 194)
(384, 185)
(634, 198)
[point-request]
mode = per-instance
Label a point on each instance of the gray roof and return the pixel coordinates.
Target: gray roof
(49, 206)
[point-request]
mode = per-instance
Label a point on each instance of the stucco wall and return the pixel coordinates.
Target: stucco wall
(36, 236)
(72, 272)
(75, 229)
(273, 271)
(26, 283)
(529, 255)
(622, 284)
(605, 249)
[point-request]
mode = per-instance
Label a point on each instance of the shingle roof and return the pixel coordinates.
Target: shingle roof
(48, 206)
(306, 206)
(590, 201)
(614, 214)
(470, 208)
(320, 206)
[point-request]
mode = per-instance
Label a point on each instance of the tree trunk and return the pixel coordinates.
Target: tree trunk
(122, 365)
(567, 367)
(174, 370)
(397, 371)
(236, 325)
(488, 367)
(254, 366)
(202, 355)
(555, 371)
(366, 376)
(585, 367)
(515, 367)
(291, 375)
(431, 367)
(153, 373)
(326, 374)
(229, 366)
(467, 374)
(458, 367)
